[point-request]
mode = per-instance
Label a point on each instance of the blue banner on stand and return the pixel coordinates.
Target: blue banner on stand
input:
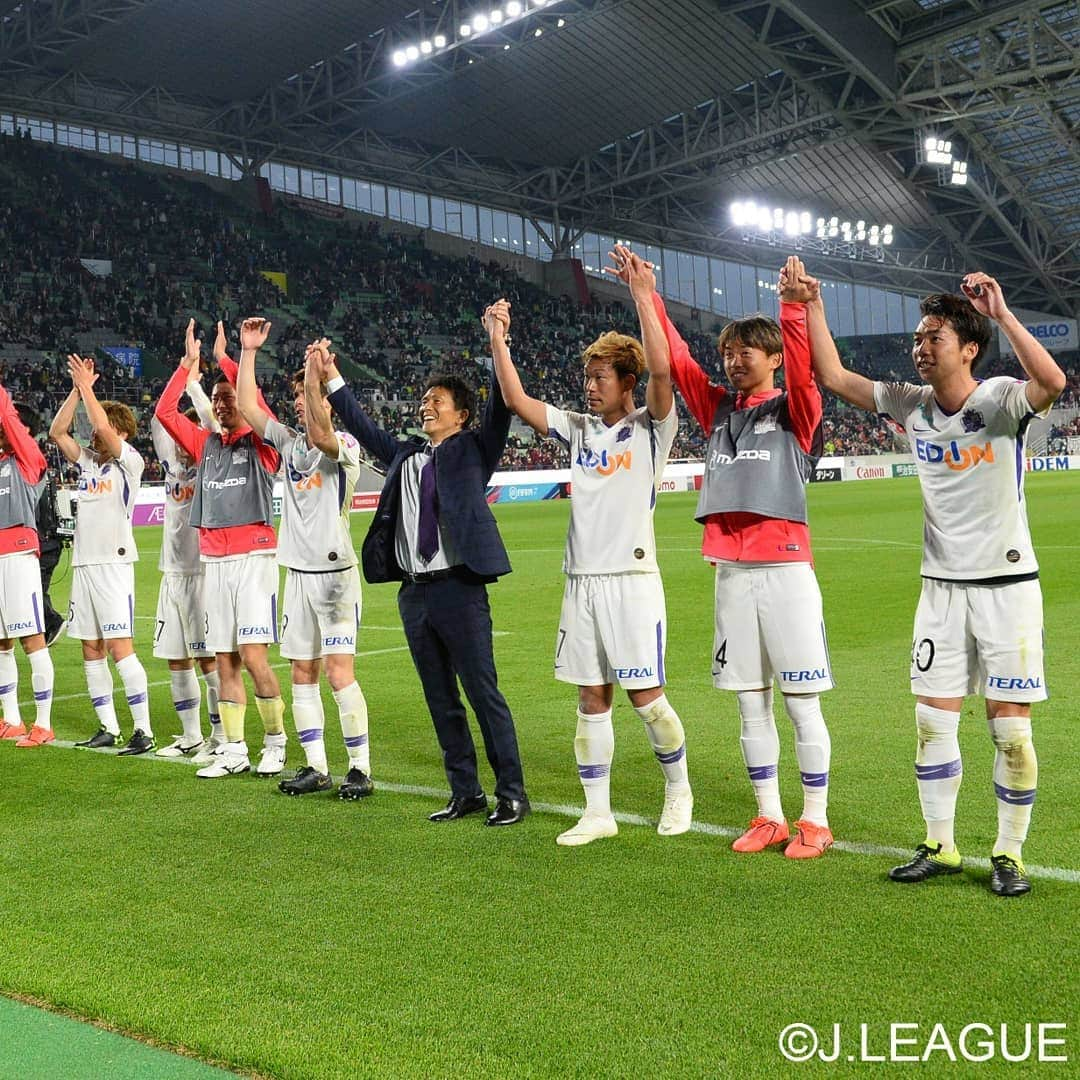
(127, 355)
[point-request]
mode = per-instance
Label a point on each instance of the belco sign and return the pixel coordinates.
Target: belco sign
(1055, 333)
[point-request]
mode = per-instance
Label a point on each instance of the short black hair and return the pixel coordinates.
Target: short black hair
(969, 324)
(29, 417)
(463, 394)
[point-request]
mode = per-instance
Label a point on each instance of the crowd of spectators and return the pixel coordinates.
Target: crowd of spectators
(394, 308)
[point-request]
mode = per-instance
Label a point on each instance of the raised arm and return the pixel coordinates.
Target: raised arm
(854, 388)
(804, 397)
(83, 377)
(60, 428)
(319, 428)
(378, 443)
(1046, 379)
(189, 436)
(496, 322)
(253, 336)
(192, 358)
(659, 391)
(28, 455)
(700, 394)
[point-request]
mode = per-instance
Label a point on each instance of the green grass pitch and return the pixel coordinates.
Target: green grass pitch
(312, 938)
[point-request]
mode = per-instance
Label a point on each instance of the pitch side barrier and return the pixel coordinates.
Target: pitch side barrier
(540, 484)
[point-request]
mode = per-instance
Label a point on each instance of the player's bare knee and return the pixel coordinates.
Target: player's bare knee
(594, 699)
(340, 670)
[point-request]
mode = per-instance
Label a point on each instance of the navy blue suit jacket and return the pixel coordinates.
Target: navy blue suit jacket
(463, 465)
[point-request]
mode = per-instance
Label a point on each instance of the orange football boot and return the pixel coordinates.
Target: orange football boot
(762, 833)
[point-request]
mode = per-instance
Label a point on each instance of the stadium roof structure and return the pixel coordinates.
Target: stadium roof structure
(627, 117)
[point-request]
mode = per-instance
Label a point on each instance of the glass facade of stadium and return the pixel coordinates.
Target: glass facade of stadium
(700, 281)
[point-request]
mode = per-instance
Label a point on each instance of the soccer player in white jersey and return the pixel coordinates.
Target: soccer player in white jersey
(613, 624)
(321, 612)
(232, 509)
(102, 611)
(22, 481)
(180, 622)
(769, 625)
(978, 627)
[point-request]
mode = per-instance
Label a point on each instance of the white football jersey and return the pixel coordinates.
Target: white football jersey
(180, 542)
(971, 468)
(314, 531)
(106, 499)
(614, 474)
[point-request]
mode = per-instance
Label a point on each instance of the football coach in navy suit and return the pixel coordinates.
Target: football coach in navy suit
(434, 532)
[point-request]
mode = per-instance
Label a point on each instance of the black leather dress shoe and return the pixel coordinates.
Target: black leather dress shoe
(508, 812)
(459, 808)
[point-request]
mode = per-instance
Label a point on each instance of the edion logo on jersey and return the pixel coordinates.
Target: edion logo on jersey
(1005, 682)
(603, 464)
(952, 455)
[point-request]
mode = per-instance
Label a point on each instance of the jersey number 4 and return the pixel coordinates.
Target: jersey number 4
(721, 656)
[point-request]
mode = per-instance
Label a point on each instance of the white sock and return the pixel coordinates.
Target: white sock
(9, 687)
(1016, 775)
(100, 684)
(938, 771)
(187, 700)
(133, 675)
(353, 712)
(213, 695)
(594, 748)
(41, 678)
(668, 740)
(761, 750)
(813, 749)
(307, 710)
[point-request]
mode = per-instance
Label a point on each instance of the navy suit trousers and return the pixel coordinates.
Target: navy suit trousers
(448, 628)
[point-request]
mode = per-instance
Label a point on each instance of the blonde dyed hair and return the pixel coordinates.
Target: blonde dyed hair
(623, 352)
(121, 418)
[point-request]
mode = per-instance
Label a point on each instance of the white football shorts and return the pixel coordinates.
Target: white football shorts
(979, 639)
(20, 596)
(102, 601)
(181, 622)
(612, 629)
(241, 602)
(770, 625)
(321, 613)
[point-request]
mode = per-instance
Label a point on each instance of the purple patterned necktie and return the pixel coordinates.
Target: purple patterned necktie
(427, 533)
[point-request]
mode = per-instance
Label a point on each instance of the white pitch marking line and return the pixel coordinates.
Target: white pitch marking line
(1052, 873)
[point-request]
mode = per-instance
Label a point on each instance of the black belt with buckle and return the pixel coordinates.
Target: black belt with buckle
(430, 575)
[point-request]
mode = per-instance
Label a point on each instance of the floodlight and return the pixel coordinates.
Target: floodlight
(412, 52)
(791, 223)
(440, 41)
(495, 17)
(513, 8)
(399, 58)
(426, 47)
(465, 30)
(480, 23)
(804, 222)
